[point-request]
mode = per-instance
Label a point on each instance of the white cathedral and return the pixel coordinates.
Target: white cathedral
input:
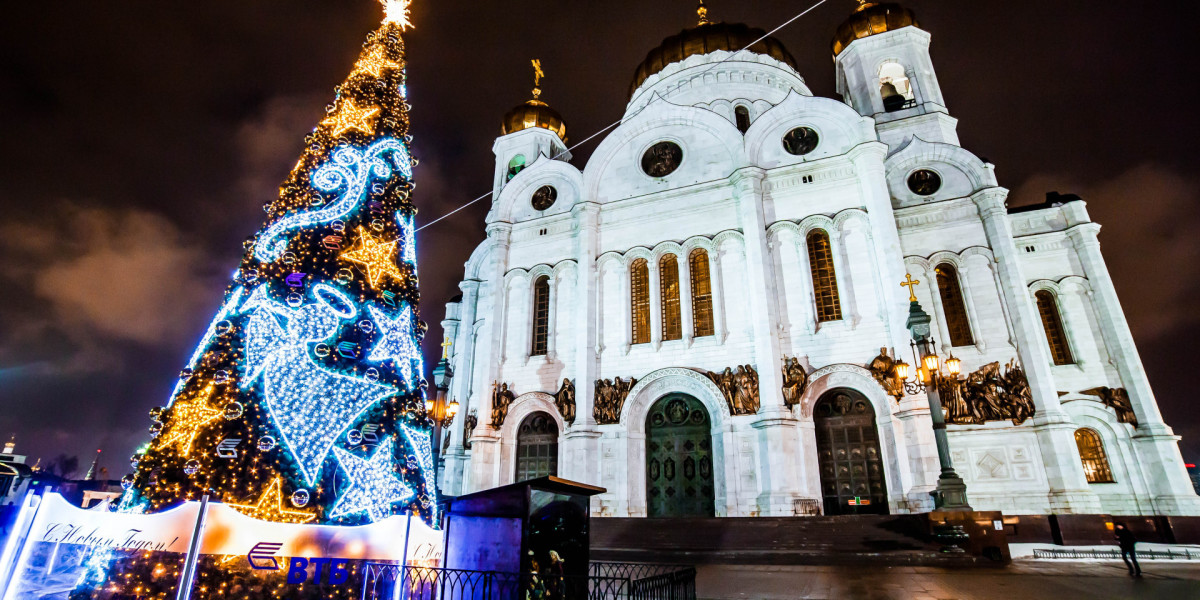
(694, 319)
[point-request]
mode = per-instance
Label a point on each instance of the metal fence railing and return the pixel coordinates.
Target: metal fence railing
(1069, 553)
(606, 581)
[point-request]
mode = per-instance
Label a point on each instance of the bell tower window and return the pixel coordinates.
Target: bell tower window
(515, 166)
(742, 116)
(895, 88)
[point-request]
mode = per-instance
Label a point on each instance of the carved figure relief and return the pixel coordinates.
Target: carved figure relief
(883, 369)
(795, 380)
(987, 395)
(502, 398)
(564, 399)
(469, 428)
(610, 398)
(1116, 399)
(740, 388)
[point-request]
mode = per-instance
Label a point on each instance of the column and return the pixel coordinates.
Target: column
(686, 321)
(1069, 492)
(463, 363)
(485, 443)
(718, 293)
(581, 442)
(1157, 446)
(779, 432)
(656, 324)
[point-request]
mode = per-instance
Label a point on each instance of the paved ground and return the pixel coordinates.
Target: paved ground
(1024, 580)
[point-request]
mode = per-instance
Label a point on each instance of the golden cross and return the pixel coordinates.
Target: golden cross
(446, 348)
(538, 74)
(911, 284)
(702, 12)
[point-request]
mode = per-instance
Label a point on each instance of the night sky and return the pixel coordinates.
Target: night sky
(140, 140)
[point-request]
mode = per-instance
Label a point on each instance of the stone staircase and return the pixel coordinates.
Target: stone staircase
(838, 540)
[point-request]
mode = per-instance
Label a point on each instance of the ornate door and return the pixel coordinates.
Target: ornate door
(679, 465)
(848, 453)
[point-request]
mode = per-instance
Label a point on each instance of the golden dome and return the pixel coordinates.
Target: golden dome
(534, 113)
(872, 18)
(705, 38)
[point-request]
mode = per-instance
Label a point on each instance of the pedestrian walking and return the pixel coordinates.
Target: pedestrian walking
(1128, 544)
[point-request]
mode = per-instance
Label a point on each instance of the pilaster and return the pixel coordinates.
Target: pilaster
(485, 442)
(1055, 432)
(581, 441)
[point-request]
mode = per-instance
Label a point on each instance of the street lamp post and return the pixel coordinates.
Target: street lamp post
(951, 492)
(439, 409)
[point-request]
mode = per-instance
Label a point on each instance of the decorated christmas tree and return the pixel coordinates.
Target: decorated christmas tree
(303, 402)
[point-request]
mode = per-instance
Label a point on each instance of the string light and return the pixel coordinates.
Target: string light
(309, 404)
(349, 117)
(374, 487)
(188, 417)
(397, 343)
(375, 62)
(375, 257)
(269, 506)
(423, 449)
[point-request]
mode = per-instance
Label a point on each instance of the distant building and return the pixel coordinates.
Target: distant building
(15, 475)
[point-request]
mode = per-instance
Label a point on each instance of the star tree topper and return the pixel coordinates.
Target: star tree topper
(374, 486)
(396, 12)
(270, 507)
(375, 257)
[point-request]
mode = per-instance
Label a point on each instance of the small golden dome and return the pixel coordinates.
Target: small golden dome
(872, 18)
(704, 38)
(534, 113)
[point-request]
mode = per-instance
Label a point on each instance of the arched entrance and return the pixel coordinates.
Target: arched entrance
(852, 479)
(679, 460)
(537, 447)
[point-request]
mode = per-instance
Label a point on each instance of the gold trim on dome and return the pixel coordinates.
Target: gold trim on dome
(705, 38)
(872, 18)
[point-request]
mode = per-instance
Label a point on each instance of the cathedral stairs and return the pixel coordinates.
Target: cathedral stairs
(837, 540)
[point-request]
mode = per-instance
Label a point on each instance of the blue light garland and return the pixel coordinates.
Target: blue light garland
(350, 168)
(397, 344)
(421, 445)
(309, 404)
(374, 486)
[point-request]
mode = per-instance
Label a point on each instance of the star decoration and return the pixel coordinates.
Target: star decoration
(376, 62)
(374, 486)
(396, 13)
(375, 257)
(270, 507)
(396, 342)
(188, 417)
(349, 116)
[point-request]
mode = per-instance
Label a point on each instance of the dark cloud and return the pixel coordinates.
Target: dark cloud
(169, 125)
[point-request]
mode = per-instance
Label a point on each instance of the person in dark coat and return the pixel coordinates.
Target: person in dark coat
(1128, 543)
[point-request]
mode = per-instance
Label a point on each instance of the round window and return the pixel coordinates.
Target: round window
(924, 182)
(800, 141)
(662, 159)
(544, 197)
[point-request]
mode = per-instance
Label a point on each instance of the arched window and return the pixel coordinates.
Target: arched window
(1052, 323)
(742, 116)
(639, 300)
(953, 306)
(515, 165)
(537, 447)
(668, 283)
(702, 306)
(820, 260)
(1091, 452)
(541, 315)
(895, 88)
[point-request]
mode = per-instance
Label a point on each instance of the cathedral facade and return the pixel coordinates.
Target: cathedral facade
(707, 319)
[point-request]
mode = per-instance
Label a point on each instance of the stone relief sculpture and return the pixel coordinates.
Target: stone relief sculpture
(883, 369)
(987, 395)
(502, 398)
(610, 398)
(469, 428)
(740, 388)
(795, 379)
(564, 399)
(1116, 399)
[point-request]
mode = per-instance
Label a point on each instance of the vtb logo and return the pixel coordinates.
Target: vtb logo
(262, 558)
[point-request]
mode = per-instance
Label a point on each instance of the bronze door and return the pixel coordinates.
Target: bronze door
(852, 479)
(679, 462)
